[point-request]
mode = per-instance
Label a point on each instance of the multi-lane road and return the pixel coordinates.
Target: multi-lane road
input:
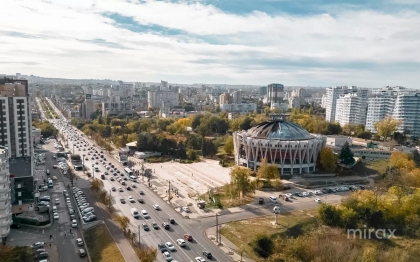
(151, 237)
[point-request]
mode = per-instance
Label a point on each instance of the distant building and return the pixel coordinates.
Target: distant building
(334, 93)
(275, 93)
(351, 109)
(155, 98)
(5, 196)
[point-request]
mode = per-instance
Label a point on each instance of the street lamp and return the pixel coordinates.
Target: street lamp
(83, 163)
(93, 171)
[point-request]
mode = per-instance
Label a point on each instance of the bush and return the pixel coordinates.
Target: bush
(263, 245)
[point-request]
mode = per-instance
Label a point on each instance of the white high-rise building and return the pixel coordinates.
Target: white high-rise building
(15, 117)
(351, 109)
(5, 195)
(333, 93)
(400, 103)
(155, 98)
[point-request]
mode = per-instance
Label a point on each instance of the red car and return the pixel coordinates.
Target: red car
(188, 237)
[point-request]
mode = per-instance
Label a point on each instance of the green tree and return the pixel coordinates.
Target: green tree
(192, 154)
(328, 159)
(415, 156)
(208, 148)
(329, 215)
(239, 180)
(268, 171)
(146, 253)
(123, 221)
(276, 183)
(346, 155)
(387, 126)
(228, 147)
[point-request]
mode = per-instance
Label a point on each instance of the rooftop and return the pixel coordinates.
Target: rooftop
(280, 129)
(20, 167)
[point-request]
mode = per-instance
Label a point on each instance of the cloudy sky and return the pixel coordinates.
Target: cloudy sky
(294, 42)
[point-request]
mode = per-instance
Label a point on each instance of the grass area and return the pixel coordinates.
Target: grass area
(14, 254)
(300, 236)
(378, 165)
(224, 201)
(101, 245)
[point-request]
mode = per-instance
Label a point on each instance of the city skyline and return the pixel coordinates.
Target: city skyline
(301, 43)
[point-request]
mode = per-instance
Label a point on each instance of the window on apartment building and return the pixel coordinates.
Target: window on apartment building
(19, 185)
(20, 100)
(20, 202)
(19, 193)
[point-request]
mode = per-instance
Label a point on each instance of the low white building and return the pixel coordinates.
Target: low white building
(338, 141)
(36, 135)
(243, 107)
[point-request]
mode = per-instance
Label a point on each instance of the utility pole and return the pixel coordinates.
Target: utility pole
(217, 227)
(139, 235)
(169, 191)
(110, 198)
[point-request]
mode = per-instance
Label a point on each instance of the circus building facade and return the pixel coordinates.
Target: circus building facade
(285, 144)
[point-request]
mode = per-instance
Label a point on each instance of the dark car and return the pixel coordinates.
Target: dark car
(82, 252)
(141, 193)
(171, 220)
(41, 255)
(165, 226)
(261, 201)
(103, 176)
(162, 247)
(206, 254)
(14, 226)
(140, 200)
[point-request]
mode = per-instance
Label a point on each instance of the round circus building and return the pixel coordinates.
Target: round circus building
(285, 144)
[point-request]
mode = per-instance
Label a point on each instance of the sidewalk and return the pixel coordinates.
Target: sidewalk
(227, 247)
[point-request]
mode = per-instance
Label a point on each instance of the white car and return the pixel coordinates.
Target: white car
(317, 200)
(273, 199)
(288, 195)
(167, 256)
(180, 242)
(74, 223)
(170, 246)
(200, 259)
(131, 199)
(56, 216)
(156, 207)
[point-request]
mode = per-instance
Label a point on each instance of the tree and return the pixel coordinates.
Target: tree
(346, 155)
(96, 184)
(327, 159)
(131, 163)
(415, 156)
(329, 215)
(208, 148)
(123, 221)
(239, 180)
(263, 245)
(228, 147)
(276, 183)
(192, 154)
(146, 254)
(387, 126)
(268, 171)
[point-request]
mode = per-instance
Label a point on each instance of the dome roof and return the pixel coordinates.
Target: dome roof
(279, 129)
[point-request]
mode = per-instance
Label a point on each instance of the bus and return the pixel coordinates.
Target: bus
(122, 156)
(128, 171)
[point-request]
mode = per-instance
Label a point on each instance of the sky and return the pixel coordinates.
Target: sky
(370, 43)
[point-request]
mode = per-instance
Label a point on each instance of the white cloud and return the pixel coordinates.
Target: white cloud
(65, 33)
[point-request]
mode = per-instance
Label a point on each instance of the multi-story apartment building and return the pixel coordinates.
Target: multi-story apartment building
(407, 109)
(15, 117)
(156, 98)
(275, 93)
(115, 107)
(5, 195)
(351, 109)
(333, 93)
(380, 105)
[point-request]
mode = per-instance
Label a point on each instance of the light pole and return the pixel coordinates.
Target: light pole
(93, 171)
(83, 163)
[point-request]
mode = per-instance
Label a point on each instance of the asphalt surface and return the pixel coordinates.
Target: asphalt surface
(60, 229)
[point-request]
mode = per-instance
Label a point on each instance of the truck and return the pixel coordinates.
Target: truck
(144, 155)
(77, 162)
(122, 156)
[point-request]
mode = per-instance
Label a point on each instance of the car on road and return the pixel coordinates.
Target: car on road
(120, 189)
(165, 226)
(167, 256)
(156, 207)
(145, 214)
(317, 200)
(131, 199)
(200, 259)
(140, 200)
(41, 255)
(162, 247)
(141, 192)
(261, 201)
(170, 246)
(57, 201)
(206, 254)
(82, 252)
(56, 216)
(74, 223)
(113, 189)
(112, 179)
(171, 220)
(122, 200)
(188, 237)
(155, 225)
(273, 199)
(37, 245)
(145, 227)
(181, 242)
(79, 242)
